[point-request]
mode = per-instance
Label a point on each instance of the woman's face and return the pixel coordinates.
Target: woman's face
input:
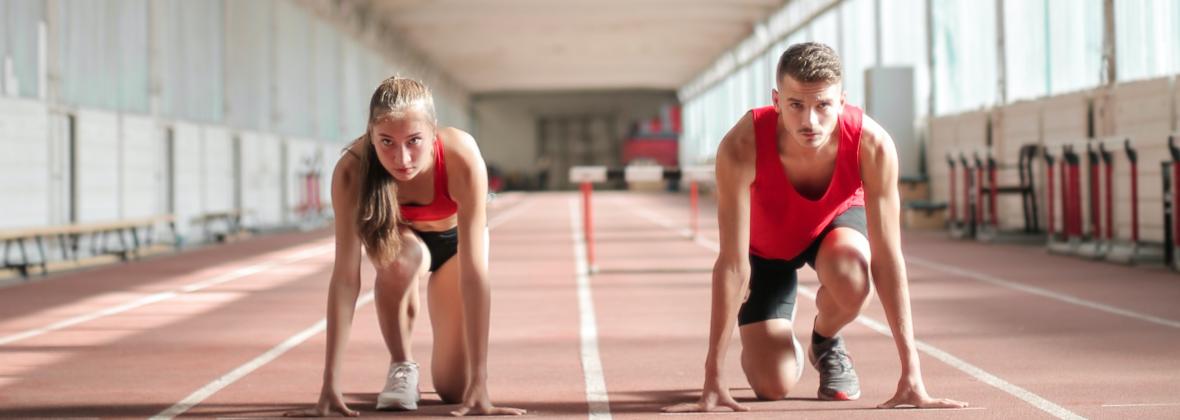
(404, 142)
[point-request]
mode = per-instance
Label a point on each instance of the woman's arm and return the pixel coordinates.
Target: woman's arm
(346, 277)
(467, 179)
(343, 288)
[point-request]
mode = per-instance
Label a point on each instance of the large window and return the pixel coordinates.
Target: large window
(903, 29)
(19, 44)
(1146, 33)
(102, 54)
(964, 35)
(1075, 45)
(857, 47)
(190, 37)
(1026, 49)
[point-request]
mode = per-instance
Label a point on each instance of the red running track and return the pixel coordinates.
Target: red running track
(1012, 330)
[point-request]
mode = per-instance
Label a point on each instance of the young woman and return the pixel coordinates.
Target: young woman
(413, 195)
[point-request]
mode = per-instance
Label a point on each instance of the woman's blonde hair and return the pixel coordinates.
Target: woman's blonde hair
(378, 215)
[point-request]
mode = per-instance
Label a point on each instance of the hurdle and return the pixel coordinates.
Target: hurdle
(1170, 174)
(587, 176)
(951, 200)
(1094, 244)
(1052, 233)
(1134, 251)
(1071, 204)
(1030, 232)
(964, 227)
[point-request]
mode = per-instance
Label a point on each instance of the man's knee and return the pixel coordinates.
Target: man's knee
(769, 358)
(770, 390)
(848, 269)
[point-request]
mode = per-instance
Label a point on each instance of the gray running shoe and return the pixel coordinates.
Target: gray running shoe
(837, 378)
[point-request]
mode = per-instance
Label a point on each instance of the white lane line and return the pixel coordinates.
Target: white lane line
(1042, 292)
(241, 371)
(213, 281)
(596, 395)
(1175, 404)
(505, 215)
(162, 296)
(972, 370)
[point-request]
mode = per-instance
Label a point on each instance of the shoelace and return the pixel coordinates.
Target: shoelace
(399, 378)
(836, 359)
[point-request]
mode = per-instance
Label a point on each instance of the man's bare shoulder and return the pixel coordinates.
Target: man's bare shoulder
(878, 158)
(875, 142)
(738, 145)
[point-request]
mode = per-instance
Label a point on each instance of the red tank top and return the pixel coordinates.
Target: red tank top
(783, 222)
(441, 206)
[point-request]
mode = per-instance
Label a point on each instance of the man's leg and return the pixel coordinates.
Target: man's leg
(842, 263)
(843, 267)
(771, 356)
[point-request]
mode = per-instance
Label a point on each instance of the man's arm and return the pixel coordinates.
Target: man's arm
(731, 272)
(878, 166)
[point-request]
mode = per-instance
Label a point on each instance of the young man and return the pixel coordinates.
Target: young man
(810, 180)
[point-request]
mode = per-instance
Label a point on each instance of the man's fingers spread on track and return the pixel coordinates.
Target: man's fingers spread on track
(733, 405)
(504, 411)
(684, 408)
(309, 412)
(703, 408)
(944, 403)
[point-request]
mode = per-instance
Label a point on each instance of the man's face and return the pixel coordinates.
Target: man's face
(809, 111)
(403, 142)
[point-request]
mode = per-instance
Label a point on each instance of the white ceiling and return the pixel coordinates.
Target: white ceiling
(537, 45)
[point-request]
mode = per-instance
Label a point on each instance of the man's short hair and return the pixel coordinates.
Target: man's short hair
(809, 62)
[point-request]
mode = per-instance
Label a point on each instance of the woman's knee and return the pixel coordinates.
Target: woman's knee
(449, 393)
(450, 379)
(411, 261)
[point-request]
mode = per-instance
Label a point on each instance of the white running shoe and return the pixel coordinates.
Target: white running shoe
(401, 388)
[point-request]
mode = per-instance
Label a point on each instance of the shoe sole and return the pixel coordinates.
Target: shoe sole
(839, 396)
(395, 405)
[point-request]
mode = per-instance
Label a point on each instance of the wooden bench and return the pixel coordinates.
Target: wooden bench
(70, 236)
(231, 220)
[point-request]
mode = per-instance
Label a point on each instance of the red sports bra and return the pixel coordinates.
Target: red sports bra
(441, 206)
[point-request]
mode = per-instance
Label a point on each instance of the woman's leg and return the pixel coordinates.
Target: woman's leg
(449, 358)
(397, 295)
